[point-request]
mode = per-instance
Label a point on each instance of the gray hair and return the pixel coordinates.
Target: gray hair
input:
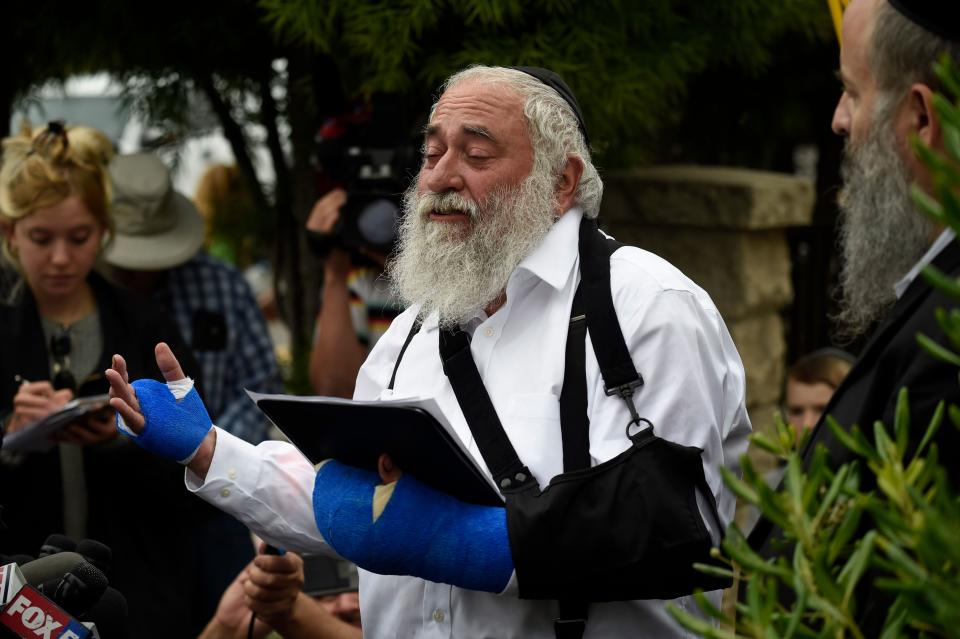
(902, 53)
(551, 124)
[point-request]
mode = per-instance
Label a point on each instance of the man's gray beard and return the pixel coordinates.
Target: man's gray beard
(882, 233)
(444, 270)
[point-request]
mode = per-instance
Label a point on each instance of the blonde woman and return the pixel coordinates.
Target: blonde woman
(57, 335)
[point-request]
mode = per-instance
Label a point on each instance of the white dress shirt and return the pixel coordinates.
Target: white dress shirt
(693, 393)
(938, 245)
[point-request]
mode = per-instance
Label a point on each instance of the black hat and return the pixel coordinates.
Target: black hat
(940, 17)
(555, 82)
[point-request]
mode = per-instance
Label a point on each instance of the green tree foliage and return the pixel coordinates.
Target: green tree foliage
(628, 62)
(891, 518)
(188, 67)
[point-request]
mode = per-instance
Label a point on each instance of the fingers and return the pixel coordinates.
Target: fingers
(36, 389)
(267, 566)
(133, 419)
(168, 364)
(33, 403)
(274, 583)
(61, 397)
(326, 211)
(120, 365)
(123, 399)
(120, 387)
(77, 434)
(388, 472)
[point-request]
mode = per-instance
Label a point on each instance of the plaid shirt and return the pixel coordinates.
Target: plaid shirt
(245, 359)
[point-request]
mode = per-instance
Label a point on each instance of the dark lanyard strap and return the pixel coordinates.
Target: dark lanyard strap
(414, 329)
(501, 458)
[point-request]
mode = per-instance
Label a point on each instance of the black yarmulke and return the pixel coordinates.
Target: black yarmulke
(555, 82)
(941, 17)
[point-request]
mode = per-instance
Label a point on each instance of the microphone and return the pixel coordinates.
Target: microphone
(50, 567)
(68, 579)
(56, 543)
(30, 615)
(16, 559)
(96, 553)
(109, 614)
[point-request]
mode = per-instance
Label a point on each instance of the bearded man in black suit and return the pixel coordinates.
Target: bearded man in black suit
(886, 66)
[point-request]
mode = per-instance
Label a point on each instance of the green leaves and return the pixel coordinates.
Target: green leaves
(900, 538)
(628, 64)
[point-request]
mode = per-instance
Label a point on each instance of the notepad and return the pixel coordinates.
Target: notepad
(413, 432)
(37, 436)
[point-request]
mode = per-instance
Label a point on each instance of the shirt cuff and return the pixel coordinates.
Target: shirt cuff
(230, 453)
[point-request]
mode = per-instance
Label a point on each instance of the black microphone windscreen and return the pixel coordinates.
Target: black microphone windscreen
(55, 566)
(96, 553)
(109, 614)
(57, 543)
(78, 589)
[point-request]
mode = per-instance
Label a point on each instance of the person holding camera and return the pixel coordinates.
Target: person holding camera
(356, 305)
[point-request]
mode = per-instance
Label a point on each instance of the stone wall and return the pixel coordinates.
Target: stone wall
(725, 228)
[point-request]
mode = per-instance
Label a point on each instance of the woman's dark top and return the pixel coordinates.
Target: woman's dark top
(137, 502)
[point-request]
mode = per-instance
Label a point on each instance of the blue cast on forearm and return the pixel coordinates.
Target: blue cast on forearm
(173, 429)
(422, 532)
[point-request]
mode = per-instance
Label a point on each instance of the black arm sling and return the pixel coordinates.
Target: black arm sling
(628, 528)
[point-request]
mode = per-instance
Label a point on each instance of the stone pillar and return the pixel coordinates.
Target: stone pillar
(725, 229)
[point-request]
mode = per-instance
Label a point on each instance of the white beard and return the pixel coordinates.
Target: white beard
(458, 272)
(882, 234)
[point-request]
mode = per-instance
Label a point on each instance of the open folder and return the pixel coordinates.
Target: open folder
(412, 431)
(37, 436)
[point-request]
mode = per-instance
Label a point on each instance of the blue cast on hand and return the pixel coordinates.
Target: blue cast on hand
(174, 428)
(421, 532)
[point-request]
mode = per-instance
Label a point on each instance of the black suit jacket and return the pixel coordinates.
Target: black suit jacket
(891, 360)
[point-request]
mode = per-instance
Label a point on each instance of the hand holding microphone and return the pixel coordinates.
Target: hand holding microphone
(274, 581)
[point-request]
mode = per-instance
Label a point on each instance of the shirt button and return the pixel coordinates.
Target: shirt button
(488, 332)
(232, 474)
(225, 492)
(438, 615)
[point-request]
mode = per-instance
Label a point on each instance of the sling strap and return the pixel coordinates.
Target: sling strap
(508, 471)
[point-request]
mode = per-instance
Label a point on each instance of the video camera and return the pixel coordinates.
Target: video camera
(374, 166)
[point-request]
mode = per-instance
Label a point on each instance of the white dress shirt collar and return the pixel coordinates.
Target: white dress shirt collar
(938, 245)
(557, 253)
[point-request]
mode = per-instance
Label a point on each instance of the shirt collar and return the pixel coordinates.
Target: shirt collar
(553, 259)
(938, 245)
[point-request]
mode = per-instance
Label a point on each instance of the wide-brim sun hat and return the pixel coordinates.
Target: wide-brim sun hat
(156, 227)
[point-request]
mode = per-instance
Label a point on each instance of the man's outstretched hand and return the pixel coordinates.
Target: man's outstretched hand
(123, 398)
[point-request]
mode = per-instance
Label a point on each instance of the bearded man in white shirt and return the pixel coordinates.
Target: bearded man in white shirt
(492, 247)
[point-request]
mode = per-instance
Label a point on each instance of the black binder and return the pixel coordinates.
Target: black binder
(356, 433)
